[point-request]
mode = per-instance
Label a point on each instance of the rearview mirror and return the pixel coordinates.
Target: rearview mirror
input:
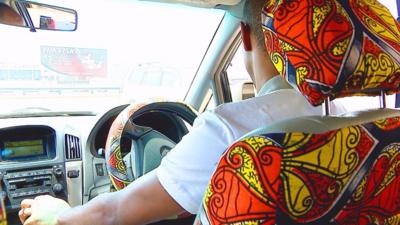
(37, 16)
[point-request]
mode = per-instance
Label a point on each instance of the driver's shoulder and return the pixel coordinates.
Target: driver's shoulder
(250, 106)
(243, 116)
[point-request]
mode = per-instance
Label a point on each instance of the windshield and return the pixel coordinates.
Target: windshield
(122, 52)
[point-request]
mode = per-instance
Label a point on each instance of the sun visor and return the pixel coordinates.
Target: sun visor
(201, 3)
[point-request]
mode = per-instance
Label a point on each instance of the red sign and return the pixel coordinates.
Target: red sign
(81, 62)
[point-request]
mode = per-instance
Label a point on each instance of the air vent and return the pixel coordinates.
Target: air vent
(72, 147)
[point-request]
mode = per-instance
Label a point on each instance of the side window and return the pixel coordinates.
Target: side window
(237, 79)
(240, 83)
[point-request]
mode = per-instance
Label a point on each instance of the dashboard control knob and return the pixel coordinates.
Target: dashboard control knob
(58, 172)
(57, 188)
(101, 152)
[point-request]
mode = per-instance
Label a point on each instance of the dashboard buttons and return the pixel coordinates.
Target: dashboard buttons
(101, 152)
(28, 183)
(99, 169)
(12, 187)
(73, 173)
(57, 188)
(57, 171)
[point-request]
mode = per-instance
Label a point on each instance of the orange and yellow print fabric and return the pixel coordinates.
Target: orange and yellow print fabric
(345, 176)
(334, 48)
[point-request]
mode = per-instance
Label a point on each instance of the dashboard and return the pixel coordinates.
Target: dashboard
(21, 146)
(40, 156)
(59, 155)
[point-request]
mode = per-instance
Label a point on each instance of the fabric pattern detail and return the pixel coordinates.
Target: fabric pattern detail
(377, 200)
(388, 124)
(333, 48)
(376, 70)
(301, 177)
(378, 20)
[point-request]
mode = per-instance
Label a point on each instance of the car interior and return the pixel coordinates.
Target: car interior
(79, 120)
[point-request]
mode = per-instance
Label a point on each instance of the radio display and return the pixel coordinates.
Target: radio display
(22, 149)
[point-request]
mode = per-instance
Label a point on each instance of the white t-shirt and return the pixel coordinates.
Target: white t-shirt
(186, 170)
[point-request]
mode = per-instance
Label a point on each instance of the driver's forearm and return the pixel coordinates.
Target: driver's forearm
(96, 212)
(143, 201)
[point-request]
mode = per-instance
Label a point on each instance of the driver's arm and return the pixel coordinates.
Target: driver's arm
(139, 203)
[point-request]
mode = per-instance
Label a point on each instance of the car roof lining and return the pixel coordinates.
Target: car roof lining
(200, 3)
(235, 7)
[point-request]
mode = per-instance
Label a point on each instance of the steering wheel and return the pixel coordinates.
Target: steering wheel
(148, 145)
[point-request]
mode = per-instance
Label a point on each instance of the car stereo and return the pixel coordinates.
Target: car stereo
(27, 165)
(22, 184)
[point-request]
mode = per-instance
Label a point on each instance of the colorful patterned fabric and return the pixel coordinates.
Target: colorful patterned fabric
(334, 48)
(3, 214)
(345, 176)
(116, 167)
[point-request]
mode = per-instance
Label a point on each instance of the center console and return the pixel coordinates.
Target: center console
(22, 184)
(29, 165)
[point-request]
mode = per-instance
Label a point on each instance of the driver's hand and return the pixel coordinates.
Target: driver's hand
(43, 210)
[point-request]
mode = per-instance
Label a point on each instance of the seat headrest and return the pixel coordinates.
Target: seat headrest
(334, 48)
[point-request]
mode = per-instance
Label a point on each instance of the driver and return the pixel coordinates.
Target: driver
(178, 184)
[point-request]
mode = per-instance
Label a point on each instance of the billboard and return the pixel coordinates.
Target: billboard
(84, 63)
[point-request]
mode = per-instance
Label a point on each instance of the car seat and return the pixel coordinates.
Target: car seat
(319, 169)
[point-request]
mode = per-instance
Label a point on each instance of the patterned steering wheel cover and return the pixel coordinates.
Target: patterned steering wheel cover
(3, 214)
(115, 164)
(334, 48)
